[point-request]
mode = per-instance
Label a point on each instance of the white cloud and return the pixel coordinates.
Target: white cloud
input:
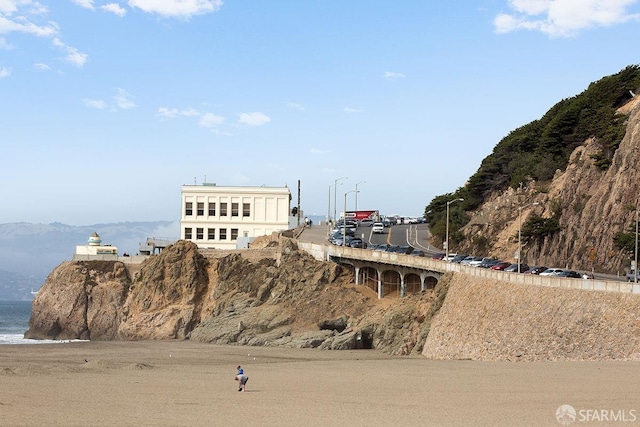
(94, 103)
(174, 112)
(390, 75)
(22, 24)
(124, 100)
(295, 106)
(352, 110)
(74, 56)
(563, 18)
(318, 151)
(210, 120)
(4, 72)
(4, 44)
(114, 8)
(87, 4)
(177, 8)
(42, 67)
(253, 119)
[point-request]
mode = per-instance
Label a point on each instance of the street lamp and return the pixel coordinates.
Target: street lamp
(635, 267)
(520, 231)
(356, 204)
(344, 223)
(335, 191)
(446, 241)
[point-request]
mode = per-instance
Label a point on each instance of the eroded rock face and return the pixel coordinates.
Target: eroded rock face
(594, 206)
(80, 300)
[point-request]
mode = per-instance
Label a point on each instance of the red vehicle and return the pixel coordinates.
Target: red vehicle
(501, 265)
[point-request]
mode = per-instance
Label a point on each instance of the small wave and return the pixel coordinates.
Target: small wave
(19, 339)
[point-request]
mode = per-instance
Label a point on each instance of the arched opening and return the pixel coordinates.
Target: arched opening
(391, 283)
(368, 277)
(430, 283)
(413, 284)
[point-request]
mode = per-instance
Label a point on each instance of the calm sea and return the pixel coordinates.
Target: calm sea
(14, 322)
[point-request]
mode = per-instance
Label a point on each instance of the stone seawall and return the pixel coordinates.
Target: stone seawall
(492, 320)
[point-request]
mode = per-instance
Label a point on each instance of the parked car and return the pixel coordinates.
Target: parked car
(631, 276)
(381, 247)
(459, 258)
(500, 265)
(469, 259)
(439, 255)
(513, 268)
(477, 261)
(570, 273)
(377, 228)
(357, 242)
(488, 263)
(535, 270)
(552, 272)
(366, 223)
(417, 252)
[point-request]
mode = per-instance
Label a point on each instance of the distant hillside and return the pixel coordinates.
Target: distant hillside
(29, 252)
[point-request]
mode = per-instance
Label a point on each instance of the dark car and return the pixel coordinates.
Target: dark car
(535, 270)
(357, 242)
(570, 273)
(513, 268)
(459, 258)
(381, 247)
(417, 252)
(500, 265)
(439, 255)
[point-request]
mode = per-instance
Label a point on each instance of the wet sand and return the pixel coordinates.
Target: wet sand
(182, 383)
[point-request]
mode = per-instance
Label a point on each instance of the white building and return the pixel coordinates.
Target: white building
(224, 217)
(94, 250)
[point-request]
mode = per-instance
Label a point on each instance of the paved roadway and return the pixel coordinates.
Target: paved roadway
(416, 235)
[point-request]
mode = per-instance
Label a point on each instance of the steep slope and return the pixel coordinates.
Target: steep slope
(591, 206)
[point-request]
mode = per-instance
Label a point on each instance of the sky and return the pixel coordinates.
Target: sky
(108, 107)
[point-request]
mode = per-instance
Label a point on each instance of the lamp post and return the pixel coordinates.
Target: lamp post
(520, 231)
(635, 267)
(446, 240)
(344, 223)
(335, 195)
(356, 204)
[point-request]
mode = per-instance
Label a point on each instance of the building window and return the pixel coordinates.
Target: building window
(188, 209)
(200, 209)
(234, 234)
(223, 209)
(199, 233)
(234, 209)
(211, 233)
(187, 233)
(246, 209)
(223, 234)
(212, 209)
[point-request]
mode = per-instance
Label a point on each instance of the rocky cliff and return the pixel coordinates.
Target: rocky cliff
(594, 205)
(276, 295)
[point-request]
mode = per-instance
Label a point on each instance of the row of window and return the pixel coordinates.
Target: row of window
(211, 234)
(211, 209)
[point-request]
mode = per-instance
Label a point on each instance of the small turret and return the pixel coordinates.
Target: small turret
(95, 240)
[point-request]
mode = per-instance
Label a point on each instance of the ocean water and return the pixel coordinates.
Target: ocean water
(14, 322)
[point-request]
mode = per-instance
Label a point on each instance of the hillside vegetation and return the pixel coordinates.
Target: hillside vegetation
(535, 151)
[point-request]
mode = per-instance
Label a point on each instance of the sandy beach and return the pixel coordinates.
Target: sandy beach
(183, 383)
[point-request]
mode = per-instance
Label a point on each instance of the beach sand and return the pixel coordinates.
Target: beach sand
(183, 383)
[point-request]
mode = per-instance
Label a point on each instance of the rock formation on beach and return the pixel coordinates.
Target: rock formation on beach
(276, 295)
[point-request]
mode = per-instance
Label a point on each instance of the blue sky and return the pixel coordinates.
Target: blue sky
(108, 107)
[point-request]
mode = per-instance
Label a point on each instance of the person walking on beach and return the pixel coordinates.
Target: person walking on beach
(242, 379)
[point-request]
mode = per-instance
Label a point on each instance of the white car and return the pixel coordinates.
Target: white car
(551, 272)
(377, 227)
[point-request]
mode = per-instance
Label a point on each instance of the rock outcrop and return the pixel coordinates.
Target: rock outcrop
(594, 206)
(273, 295)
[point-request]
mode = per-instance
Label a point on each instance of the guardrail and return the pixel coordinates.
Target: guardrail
(325, 252)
